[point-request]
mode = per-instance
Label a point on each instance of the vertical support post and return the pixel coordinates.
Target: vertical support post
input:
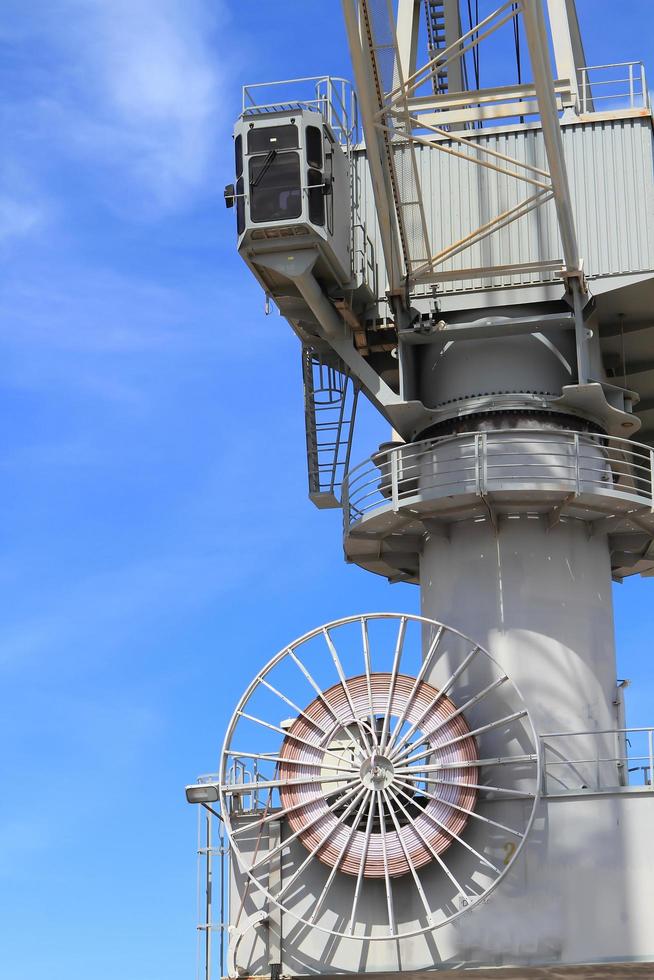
(631, 85)
(330, 102)
(650, 749)
(621, 735)
(643, 87)
(543, 755)
(394, 481)
(581, 332)
(274, 885)
(222, 853)
(209, 899)
(345, 502)
(651, 479)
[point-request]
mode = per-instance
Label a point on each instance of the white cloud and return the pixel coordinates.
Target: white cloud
(134, 89)
(155, 85)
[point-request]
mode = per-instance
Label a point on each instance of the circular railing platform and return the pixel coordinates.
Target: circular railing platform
(603, 480)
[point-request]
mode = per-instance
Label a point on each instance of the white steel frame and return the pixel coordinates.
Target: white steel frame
(398, 116)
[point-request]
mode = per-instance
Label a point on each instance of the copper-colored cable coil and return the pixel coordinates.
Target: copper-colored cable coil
(428, 707)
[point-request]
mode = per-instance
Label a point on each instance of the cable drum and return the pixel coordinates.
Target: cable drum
(379, 777)
(414, 843)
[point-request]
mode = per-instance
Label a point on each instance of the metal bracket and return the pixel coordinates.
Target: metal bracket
(236, 933)
(554, 516)
(492, 516)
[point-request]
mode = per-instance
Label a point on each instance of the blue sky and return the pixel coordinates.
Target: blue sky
(158, 543)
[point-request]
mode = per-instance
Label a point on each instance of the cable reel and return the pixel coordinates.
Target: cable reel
(406, 777)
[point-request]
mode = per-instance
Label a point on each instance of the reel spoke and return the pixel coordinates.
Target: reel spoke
(365, 639)
(399, 646)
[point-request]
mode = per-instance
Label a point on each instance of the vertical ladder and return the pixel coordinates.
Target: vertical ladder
(436, 39)
(330, 402)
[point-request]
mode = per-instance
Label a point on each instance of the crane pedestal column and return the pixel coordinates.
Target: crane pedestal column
(539, 600)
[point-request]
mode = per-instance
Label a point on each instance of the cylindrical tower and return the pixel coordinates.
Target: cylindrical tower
(534, 589)
(540, 602)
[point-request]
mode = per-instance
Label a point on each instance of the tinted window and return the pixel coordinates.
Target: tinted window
(272, 138)
(240, 206)
(238, 154)
(316, 198)
(314, 147)
(275, 192)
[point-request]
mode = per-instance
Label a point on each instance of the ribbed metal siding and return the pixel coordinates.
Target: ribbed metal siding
(611, 173)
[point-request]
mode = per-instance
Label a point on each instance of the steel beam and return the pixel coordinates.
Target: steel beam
(452, 34)
(537, 39)
(494, 271)
(489, 327)
(544, 84)
(379, 174)
(567, 43)
(498, 93)
(408, 27)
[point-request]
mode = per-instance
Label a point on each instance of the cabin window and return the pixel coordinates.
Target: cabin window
(238, 155)
(314, 147)
(240, 206)
(316, 197)
(275, 186)
(265, 138)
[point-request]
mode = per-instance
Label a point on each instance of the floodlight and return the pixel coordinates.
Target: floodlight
(202, 793)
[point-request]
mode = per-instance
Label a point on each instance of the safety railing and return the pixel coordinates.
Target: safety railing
(619, 86)
(599, 761)
(557, 461)
(333, 97)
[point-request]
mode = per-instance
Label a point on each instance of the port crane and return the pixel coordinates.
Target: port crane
(459, 789)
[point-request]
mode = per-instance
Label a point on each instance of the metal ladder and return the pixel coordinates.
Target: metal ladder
(435, 16)
(330, 402)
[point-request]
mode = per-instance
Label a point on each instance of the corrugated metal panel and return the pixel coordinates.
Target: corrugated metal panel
(611, 173)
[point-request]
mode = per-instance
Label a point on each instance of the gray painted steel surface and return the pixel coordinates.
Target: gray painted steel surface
(541, 603)
(583, 892)
(610, 164)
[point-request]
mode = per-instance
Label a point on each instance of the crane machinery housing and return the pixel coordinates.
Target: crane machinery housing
(457, 790)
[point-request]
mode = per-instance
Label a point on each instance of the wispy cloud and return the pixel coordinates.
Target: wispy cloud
(156, 90)
(112, 336)
(135, 89)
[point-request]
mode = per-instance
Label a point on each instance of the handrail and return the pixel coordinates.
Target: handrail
(479, 463)
(330, 95)
(636, 94)
(599, 767)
